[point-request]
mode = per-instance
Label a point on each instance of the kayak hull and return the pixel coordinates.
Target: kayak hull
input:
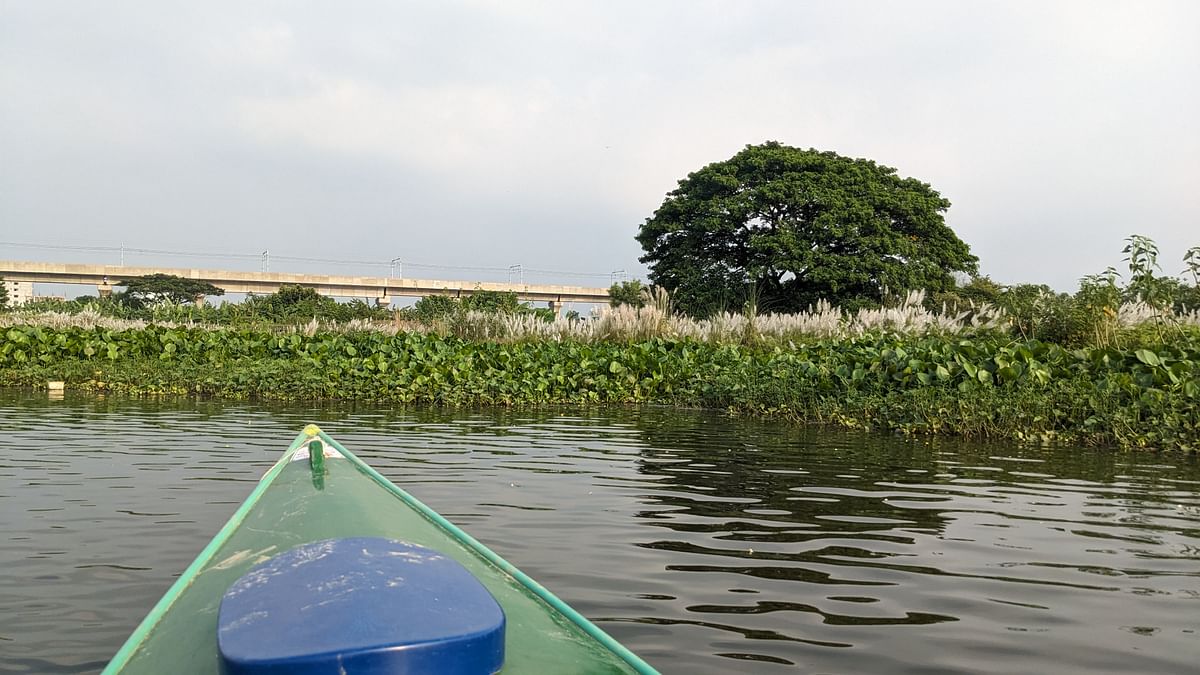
(300, 501)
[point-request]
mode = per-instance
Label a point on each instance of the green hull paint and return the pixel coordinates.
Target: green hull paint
(292, 505)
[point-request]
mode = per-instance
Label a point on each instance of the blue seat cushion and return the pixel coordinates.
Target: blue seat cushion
(360, 605)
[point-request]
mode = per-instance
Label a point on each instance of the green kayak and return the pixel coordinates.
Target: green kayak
(320, 491)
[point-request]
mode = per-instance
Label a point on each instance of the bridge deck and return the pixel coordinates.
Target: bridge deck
(270, 282)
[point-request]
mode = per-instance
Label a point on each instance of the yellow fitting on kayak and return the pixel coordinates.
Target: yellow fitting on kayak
(312, 430)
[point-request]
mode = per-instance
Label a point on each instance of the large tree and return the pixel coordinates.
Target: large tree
(159, 287)
(786, 227)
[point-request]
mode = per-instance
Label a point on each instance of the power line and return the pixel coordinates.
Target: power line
(326, 261)
(126, 249)
(259, 256)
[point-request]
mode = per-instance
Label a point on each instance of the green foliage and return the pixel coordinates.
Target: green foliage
(441, 310)
(154, 288)
(104, 306)
(3, 294)
(1144, 395)
(1093, 318)
(434, 307)
(627, 293)
(800, 226)
(542, 313)
(978, 291)
(1035, 309)
(1191, 260)
(1090, 316)
(1187, 298)
(293, 304)
(1142, 256)
(491, 301)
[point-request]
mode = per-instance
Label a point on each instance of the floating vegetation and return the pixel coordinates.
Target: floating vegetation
(987, 385)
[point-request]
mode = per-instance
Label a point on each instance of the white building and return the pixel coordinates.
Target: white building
(19, 292)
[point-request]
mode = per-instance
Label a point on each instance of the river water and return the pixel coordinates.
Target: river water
(706, 544)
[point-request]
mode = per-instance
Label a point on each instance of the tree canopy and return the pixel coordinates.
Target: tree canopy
(786, 227)
(301, 303)
(626, 293)
(3, 293)
(439, 307)
(159, 287)
(500, 302)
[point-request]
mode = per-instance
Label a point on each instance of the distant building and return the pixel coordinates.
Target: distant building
(19, 292)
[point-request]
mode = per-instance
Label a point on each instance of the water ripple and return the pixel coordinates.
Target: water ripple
(706, 544)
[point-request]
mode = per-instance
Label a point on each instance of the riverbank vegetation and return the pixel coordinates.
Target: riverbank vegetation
(1100, 366)
(983, 386)
(773, 294)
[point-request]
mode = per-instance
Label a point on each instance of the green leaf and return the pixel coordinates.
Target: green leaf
(1009, 373)
(1147, 357)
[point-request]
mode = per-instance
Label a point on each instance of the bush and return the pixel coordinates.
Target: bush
(491, 301)
(292, 304)
(627, 293)
(434, 307)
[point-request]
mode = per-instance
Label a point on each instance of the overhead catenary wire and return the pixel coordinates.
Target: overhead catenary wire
(291, 258)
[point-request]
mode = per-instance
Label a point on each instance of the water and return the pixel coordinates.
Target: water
(707, 545)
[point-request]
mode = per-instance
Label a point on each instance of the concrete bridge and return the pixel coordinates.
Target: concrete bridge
(383, 289)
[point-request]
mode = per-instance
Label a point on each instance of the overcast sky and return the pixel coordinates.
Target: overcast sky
(487, 134)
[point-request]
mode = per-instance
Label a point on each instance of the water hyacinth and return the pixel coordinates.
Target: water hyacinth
(1142, 394)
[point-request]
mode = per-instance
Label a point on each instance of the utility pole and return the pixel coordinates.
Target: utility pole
(397, 268)
(266, 261)
(516, 270)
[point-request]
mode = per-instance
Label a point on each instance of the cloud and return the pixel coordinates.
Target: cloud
(546, 133)
(442, 128)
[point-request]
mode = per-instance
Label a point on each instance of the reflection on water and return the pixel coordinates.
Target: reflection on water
(705, 544)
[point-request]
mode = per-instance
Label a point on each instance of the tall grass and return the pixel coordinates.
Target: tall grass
(627, 323)
(86, 318)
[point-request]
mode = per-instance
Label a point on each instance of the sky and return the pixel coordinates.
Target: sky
(467, 137)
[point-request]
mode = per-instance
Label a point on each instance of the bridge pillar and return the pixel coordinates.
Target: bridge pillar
(199, 300)
(105, 289)
(383, 301)
(556, 306)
